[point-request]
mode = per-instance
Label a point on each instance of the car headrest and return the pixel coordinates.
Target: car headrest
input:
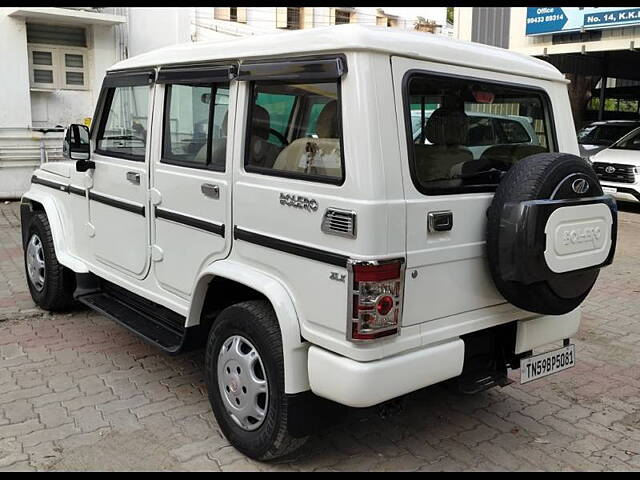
(447, 126)
(327, 123)
(260, 122)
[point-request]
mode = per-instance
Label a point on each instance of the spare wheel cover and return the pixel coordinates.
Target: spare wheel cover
(550, 229)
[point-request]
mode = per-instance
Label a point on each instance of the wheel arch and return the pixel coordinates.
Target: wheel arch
(34, 201)
(272, 290)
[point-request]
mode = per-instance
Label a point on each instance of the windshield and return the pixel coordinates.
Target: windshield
(630, 142)
(603, 134)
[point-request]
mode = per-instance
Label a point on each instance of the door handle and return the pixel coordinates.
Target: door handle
(210, 190)
(133, 177)
(440, 221)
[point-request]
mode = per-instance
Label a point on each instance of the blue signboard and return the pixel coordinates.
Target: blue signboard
(545, 20)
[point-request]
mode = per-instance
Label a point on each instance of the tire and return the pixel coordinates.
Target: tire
(538, 177)
(55, 284)
(256, 323)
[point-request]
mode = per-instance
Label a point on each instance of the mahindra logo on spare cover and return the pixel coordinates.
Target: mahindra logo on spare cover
(580, 186)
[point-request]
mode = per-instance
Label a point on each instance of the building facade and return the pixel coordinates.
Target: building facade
(597, 48)
(58, 58)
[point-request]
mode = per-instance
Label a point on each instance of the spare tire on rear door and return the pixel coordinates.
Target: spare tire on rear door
(550, 229)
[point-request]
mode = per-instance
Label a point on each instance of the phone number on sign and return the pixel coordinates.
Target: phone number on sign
(547, 18)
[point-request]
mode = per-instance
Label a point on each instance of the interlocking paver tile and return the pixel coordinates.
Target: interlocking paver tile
(79, 392)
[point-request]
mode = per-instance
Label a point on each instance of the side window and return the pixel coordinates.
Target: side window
(294, 130)
(465, 133)
(123, 131)
(314, 113)
(195, 125)
(279, 107)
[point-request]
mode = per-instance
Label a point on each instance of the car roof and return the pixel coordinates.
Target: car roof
(615, 122)
(343, 38)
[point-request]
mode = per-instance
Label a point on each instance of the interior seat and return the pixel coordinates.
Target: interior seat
(219, 153)
(262, 153)
(447, 129)
(317, 156)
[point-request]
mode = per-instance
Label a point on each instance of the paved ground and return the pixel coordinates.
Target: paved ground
(78, 392)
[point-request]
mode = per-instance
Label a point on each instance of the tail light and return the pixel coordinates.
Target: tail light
(375, 306)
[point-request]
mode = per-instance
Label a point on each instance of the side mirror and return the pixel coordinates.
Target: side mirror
(76, 146)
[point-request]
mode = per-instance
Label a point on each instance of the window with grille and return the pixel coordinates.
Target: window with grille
(231, 14)
(293, 18)
(342, 16)
(57, 57)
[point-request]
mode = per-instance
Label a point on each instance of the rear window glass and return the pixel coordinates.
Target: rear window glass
(466, 133)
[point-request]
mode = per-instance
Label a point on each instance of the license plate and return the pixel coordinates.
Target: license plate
(609, 190)
(547, 363)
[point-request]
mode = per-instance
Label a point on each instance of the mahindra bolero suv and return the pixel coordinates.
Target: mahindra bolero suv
(339, 216)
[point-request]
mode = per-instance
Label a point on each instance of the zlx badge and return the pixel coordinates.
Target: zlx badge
(338, 277)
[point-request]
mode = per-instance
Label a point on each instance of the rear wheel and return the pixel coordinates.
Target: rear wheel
(244, 369)
(51, 285)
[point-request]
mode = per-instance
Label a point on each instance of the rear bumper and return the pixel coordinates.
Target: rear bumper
(536, 332)
(362, 384)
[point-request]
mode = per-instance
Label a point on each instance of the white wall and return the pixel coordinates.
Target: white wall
(407, 15)
(156, 27)
(462, 23)
(62, 107)
(15, 108)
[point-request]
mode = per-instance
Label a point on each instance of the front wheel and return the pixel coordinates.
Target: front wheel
(51, 285)
(244, 370)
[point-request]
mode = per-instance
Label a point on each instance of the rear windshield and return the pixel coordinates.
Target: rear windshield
(465, 133)
(603, 134)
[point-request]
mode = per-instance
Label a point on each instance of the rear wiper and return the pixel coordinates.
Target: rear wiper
(493, 174)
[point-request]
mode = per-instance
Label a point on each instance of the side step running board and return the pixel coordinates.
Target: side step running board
(155, 323)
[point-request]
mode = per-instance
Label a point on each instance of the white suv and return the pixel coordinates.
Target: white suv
(618, 167)
(267, 199)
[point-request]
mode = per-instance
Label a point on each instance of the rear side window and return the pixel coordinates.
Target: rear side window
(195, 125)
(466, 133)
(123, 131)
(295, 130)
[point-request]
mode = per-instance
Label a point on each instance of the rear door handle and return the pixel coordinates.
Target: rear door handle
(440, 221)
(210, 190)
(133, 177)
